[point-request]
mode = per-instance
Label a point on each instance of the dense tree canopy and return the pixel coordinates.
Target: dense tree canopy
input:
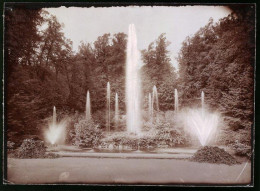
(219, 60)
(43, 71)
(159, 71)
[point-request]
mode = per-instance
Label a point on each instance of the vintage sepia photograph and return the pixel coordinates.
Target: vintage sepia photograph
(129, 95)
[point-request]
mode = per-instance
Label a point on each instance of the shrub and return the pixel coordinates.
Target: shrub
(158, 135)
(51, 155)
(117, 139)
(241, 149)
(230, 137)
(86, 134)
(147, 142)
(10, 145)
(31, 148)
(213, 155)
(166, 135)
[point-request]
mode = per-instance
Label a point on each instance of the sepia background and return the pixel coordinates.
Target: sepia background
(66, 83)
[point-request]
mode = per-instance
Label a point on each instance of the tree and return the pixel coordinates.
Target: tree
(159, 71)
(219, 60)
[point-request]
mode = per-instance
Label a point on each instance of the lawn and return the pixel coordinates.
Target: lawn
(124, 171)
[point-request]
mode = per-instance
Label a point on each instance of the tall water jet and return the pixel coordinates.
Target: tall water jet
(116, 111)
(108, 108)
(133, 86)
(150, 107)
(88, 107)
(176, 101)
(54, 118)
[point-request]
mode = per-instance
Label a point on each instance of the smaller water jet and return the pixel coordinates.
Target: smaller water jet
(202, 99)
(88, 107)
(116, 111)
(54, 118)
(176, 101)
(150, 106)
(155, 99)
(108, 108)
(155, 103)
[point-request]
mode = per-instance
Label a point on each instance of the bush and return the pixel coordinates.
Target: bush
(86, 134)
(147, 142)
(159, 135)
(214, 155)
(31, 148)
(241, 149)
(10, 145)
(51, 155)
(166, 135)
(230, 137)
(119, 138)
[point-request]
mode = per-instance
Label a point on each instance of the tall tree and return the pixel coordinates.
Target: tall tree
(159, 71)
(219, 60)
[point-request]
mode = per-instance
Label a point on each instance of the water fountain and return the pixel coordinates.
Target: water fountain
(201, 123)
(55, 134)
(176, 101)
(155, 99)
(202, 100)
(150, 106)
(108, 108)
(88, 107)
(116, 111)
(133, 93)
(54, 118)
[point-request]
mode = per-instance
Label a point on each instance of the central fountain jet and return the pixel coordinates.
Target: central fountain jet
(133, 85)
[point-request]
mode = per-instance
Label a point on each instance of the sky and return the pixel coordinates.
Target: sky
(86, 24)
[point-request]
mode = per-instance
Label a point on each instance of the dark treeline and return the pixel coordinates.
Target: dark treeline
(43, 71)
(219, 59)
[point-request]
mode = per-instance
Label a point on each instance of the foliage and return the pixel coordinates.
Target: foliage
(86, 134)
(230, 137)
(36, 57)
(156, 136)
(51, 155)
(10, 145)
(213, 155)
(219, 60)
(120, 138)
(159, 71)
(242, 149)
(166, 135)
(31, 148)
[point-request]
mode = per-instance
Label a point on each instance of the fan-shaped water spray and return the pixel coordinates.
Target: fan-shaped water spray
(201, 123)
(108, 108)
(133, 93)
(176, 101)
(88, 107)
(56, 132)
(116, 111)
